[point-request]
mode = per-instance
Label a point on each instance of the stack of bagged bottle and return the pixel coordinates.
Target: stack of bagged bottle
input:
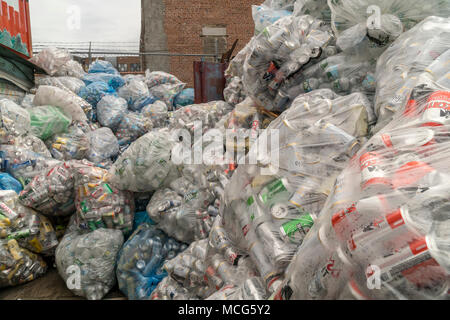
(312, 206)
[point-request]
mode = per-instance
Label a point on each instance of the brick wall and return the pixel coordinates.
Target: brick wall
(184, 21)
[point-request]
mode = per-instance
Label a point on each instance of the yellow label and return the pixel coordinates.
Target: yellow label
(36, 244)
(14, 249)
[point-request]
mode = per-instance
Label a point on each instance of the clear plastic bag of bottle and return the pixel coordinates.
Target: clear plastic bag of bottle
(234, 92)
(103, 145)
(264, 16)
(98, 203)
(52, 191)
(156, 78)
(167, 92)
(71, 68)
(383, 232)
(139, 266)
(145, 165)
(72, 83)
(158, 113)
(87, 261)
(94, 92)
(136, 94)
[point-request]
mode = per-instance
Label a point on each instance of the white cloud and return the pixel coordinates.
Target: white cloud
(101, 20)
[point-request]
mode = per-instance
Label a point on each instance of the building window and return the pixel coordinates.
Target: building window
(135, 67)
(123, 67)
(214, 40)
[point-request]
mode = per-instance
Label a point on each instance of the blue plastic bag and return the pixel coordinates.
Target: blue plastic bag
(102, 66)
(7, 182)
(139, 267)
(141, 217)
(114, 81)
(184, 98)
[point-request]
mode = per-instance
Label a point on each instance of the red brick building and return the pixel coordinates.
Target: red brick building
(193, 26)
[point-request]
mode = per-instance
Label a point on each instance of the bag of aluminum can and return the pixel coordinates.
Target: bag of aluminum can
(158, 113)
(376, 23)
(418, 56)
(51, 59)
(72, 145)
(7, 182)
(145, 165)
(184, 98)
(47, 121)
(170, 289)
(136, 94)
(31, 230)
(71, 104)
(132, 126)
(277, 55)
(111, 110)
(18, 265)
(86, 261)
(156, 78)
(139, 266)
(24, 164)
(272, 201)
(167, 93)
(71, 68)
(103, 145)
(383, 232)
(51, 192)
(72, 83)
(98, 203)
(264, 16)
(234, 92)
(15, 121)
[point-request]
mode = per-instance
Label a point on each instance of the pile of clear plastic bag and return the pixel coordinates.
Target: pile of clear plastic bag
(87, 261)
(141, 258)
(146, 165)
(418, 55)
(51, 192)
(383, 233)
(272, 202)
(47, 121)
(98, 204)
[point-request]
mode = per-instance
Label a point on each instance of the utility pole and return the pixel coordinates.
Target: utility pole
(90, 52)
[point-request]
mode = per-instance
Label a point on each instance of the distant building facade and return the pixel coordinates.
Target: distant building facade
(192, 26)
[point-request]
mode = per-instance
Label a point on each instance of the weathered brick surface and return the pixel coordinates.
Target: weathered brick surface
(184, 21)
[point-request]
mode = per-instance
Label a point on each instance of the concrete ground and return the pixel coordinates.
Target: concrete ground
(49, 287)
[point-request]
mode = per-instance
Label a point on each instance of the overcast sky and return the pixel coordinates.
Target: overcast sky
(99, 20)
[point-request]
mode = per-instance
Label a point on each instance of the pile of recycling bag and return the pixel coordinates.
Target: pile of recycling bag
(323, 174)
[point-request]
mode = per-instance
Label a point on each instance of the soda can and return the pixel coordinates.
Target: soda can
(417, 138)
(373, 177)
(437, 110)
(262, 262)
(253, 289)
